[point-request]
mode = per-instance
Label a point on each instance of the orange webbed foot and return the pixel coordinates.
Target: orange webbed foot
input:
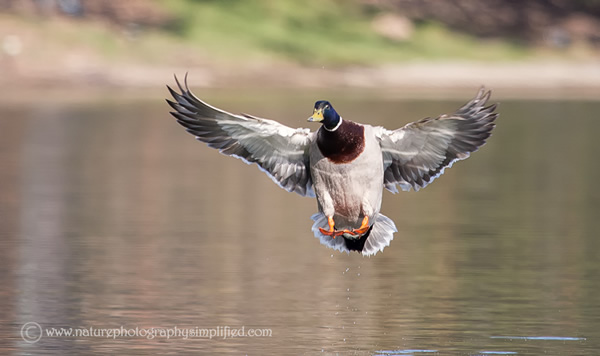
(331, 232)
(364, 227)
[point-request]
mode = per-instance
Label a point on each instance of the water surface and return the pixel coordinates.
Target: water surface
(112, 216)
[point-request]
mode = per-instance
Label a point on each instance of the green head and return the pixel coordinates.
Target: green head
(326, 115)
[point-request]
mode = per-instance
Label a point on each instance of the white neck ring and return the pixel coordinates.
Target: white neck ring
(336, 126)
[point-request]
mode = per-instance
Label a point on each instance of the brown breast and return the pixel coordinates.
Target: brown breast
(344, 144)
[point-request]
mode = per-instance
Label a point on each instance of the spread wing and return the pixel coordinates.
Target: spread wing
(416, 154)
(279, 150)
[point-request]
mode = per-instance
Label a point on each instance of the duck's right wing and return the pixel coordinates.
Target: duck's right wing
(279, 150)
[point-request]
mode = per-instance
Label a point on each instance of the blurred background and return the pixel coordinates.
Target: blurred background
(313, 43)
(111, 215)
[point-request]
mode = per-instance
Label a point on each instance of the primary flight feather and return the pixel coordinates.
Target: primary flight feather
(345, 165)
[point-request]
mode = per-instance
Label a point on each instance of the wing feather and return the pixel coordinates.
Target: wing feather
(278, 150)
(417, 153)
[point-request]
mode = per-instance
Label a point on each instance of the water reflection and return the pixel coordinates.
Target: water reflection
(112, 216)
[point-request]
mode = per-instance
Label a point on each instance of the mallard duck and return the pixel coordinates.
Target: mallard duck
(344, 164)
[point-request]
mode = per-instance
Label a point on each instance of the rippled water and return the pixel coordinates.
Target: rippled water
(111, 216)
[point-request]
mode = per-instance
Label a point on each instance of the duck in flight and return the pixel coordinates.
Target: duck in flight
(344, 164)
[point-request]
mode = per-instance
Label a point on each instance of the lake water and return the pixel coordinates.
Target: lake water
(112, 217)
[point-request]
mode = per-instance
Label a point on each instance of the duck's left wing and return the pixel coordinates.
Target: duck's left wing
(279, 150)
(416, 154)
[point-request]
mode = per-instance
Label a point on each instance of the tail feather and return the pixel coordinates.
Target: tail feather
(376, 239)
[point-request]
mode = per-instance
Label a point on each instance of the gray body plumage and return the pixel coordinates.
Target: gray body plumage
(410, 157)
(349, 191)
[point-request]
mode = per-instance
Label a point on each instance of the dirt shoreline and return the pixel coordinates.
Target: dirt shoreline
(543, 79)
